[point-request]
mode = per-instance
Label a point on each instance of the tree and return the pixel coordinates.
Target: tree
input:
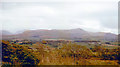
(14, 54)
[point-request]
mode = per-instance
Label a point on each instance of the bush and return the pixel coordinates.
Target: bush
(76, 51)
(16, 54)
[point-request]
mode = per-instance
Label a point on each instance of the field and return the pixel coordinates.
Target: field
(59, 52)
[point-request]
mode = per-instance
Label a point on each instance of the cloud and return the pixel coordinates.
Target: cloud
(57, 0)
(95, 16)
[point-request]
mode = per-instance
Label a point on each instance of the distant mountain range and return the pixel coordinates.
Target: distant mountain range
(71, 34)
(4, 32)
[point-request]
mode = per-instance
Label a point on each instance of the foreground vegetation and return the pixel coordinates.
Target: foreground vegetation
(66, 54)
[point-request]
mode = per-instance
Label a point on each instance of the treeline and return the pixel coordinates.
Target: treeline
(106, 54)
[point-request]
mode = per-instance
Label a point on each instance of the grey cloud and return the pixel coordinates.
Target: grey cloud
(57, 15)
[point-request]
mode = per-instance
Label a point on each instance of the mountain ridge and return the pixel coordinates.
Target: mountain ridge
(74, 34)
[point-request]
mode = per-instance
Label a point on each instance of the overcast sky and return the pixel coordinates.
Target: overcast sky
(90, 15)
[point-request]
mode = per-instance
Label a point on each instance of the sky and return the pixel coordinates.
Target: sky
(90, 15)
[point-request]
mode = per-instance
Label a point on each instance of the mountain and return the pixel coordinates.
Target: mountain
(58, 34)
(119, 38)
(72, 34)
(4, 32)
